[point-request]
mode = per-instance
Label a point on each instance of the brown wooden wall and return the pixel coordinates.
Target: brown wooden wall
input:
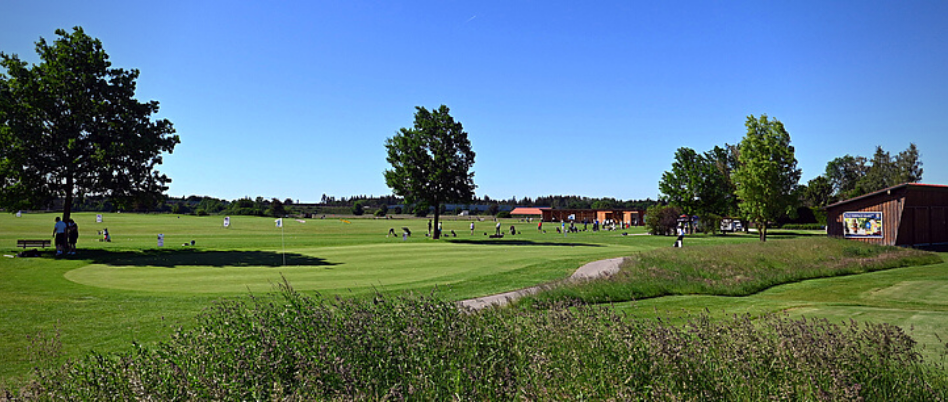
(913, 215)
(926, 207)
(889, 204)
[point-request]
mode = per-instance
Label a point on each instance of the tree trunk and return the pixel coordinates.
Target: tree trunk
(67, 201)
(762, 230)
(437, 233)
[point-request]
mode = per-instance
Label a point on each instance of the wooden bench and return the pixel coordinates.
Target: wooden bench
(33, 243)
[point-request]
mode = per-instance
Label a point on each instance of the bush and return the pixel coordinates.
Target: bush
(662, 220)
(295, 347)
(421, 211)
(357, 209)
(820, 215)
(803, 226)
(180, 208)
(711, 223)
(200, 212)
(503, 214)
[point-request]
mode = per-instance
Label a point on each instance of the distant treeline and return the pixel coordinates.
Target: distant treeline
(356, 205)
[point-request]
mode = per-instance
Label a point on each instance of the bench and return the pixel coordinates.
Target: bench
(33, 243)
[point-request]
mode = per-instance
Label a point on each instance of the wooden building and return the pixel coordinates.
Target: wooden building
(528, 212)
(904, 215)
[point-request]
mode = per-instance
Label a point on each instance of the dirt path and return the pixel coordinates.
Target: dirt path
(592, 270)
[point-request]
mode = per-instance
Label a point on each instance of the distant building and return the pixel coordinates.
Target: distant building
(633, 217)
(904, 215)
(528, 212)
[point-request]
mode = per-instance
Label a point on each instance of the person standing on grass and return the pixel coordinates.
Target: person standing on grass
(540, 226)
(429, 227)
(72, 231)
(497, 229)
(59, 234)
(472, 228)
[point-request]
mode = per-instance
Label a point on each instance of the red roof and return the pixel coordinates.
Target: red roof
(527, 211)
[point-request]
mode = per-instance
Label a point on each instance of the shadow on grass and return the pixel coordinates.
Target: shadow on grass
(937, 248)
(174, 258)
(500, 242)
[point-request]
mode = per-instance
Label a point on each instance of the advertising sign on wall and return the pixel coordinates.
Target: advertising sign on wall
(862, 225)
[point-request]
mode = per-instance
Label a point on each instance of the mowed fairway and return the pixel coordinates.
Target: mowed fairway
(329, 255)
(112, 294)
(127, 290)
(914, 298)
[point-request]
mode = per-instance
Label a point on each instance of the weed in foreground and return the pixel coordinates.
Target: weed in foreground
(294, 347)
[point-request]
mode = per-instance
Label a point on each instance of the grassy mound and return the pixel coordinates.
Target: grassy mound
(293, 347)
(733, 269)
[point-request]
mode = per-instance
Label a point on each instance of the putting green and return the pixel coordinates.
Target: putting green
(391, 266)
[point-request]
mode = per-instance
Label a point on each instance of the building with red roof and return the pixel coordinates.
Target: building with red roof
(910, 214)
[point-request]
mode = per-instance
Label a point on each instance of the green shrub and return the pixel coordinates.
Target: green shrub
(711, 223)
(803, 226)
(420, 211)
(503, 214)
(662, 219)
(820, 215)
(357, 208)
(294, 347)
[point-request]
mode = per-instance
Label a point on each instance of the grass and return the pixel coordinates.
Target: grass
(733, 270)
(914, 298)
(112, 294)
(129, 290)
(293, 347)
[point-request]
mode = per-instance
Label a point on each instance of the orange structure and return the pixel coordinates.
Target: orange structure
(523, 211)
(632, 217)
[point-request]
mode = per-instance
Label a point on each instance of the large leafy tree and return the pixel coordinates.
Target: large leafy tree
(431, 162)
(70, 126)
(908, 164)
(700, 183)
(766, 177)
(724, 161)
(882, 173)
(818, 192)
(852, 176)
(844, 173)
(681, 186)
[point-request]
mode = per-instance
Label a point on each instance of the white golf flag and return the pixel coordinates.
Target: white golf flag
(19, 214)
(226, 221)
(98, 218)
(279, 222)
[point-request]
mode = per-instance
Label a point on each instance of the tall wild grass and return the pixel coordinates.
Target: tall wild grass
(732, 270)
(289, 346)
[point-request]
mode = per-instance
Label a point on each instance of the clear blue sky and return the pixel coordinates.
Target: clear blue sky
(294, 99)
